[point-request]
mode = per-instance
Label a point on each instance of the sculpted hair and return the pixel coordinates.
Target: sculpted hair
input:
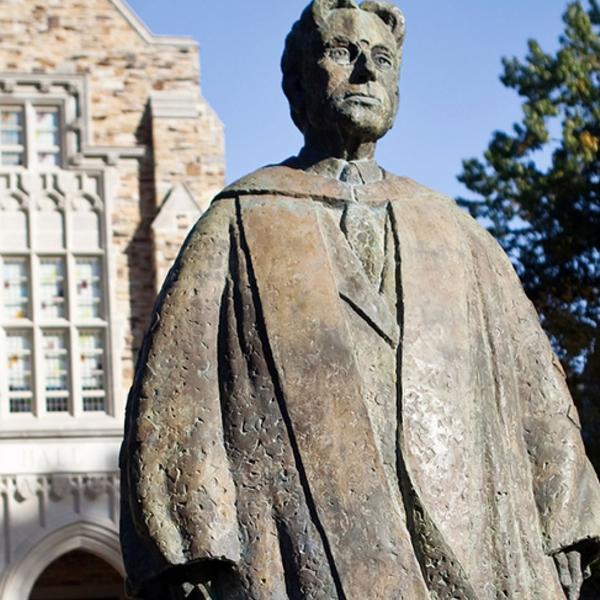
(304, 39)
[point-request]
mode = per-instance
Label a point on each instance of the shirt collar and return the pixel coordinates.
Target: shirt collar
(355, 172)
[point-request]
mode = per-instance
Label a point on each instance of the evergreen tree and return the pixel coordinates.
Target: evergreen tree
(538, 192)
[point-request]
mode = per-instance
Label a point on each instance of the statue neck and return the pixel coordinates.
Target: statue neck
(319, 147)
(354, 172)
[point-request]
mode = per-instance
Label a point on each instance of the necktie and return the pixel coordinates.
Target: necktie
(365, 234)
(363, 230)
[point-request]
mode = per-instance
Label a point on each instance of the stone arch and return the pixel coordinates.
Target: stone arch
(13, 209)
(88, 201)
(87, 210)
(16, 200)
(51, 200)
(94, 538)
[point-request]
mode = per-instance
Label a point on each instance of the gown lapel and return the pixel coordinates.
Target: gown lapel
(321, 398)
(353, 286)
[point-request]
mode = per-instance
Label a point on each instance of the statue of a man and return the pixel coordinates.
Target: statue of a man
(345, 393)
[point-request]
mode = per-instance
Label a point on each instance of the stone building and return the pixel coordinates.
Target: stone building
(108, 154)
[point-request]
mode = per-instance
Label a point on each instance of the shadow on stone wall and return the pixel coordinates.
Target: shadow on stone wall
(140, 251)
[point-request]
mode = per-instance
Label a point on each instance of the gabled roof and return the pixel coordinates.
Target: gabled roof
(140, 27)
(179, 200)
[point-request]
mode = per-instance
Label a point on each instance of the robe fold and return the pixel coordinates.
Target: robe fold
(253, 440)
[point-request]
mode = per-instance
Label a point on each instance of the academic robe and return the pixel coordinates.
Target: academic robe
(249, 443)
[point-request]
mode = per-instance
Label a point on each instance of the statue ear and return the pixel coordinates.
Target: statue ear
(391, 15)
(295, 93)
(321, 9)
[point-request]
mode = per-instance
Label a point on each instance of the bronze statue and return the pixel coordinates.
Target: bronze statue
(345, 393)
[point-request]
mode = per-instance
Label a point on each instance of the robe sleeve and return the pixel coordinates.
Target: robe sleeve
(566, 488)
(178, 496)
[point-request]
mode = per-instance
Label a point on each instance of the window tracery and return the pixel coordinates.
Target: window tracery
(53, 295)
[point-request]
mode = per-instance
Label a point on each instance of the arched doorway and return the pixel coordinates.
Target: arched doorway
(78, 575)
(98, 540)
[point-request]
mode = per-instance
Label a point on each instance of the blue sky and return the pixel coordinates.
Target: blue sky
(451, 97)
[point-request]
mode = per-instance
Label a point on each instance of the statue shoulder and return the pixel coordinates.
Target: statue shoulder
(217, 216)
(405, 187)
(285, 180)
(270, 179)
(210, 231)
(435, 206)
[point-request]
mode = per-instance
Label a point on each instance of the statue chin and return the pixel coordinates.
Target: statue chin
(355, 121)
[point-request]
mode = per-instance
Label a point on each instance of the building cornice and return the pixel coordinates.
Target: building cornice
(175, 105)
(110, 155)
(86, 433)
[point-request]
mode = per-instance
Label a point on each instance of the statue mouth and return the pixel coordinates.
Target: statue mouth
(364, 99)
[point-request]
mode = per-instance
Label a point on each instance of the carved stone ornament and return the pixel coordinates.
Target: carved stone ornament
(58, 486)
(345, 393)
(61, 486)
(25, 487)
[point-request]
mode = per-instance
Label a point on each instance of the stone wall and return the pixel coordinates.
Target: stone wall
(125, 66)
(135, 120)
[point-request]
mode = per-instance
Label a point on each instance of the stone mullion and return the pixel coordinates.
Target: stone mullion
(4, 395)
(75, 401)
(37, 366)
(113, 331)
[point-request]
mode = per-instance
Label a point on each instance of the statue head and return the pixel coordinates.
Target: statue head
(341, 68)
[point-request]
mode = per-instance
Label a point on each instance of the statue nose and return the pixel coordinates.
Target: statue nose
(364, 69)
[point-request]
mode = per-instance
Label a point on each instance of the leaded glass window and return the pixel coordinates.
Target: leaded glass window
(91, 348)
(30, 135)
(89, 292)
(12, 136)
(55, 335)
(52, 288)
(18, 346)
(56, 371)
(47, 135)
(15, 292)
(53, 310)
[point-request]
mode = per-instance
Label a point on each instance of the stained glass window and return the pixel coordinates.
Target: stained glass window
(91, 347)
(12, 148)
(89, 292)
(54, 332)
(47, 135)
(18, 346)
(52, 288)
(45, 139)
(56, 371)
(15, 292)
(94, 404)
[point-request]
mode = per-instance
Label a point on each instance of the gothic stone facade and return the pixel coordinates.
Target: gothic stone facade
(108, 154)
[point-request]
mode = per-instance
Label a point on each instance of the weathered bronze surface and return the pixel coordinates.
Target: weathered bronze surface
(345, 393)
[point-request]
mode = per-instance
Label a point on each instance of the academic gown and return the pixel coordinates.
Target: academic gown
(251, 436)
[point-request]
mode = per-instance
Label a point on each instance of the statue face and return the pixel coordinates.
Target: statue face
(354, 87)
